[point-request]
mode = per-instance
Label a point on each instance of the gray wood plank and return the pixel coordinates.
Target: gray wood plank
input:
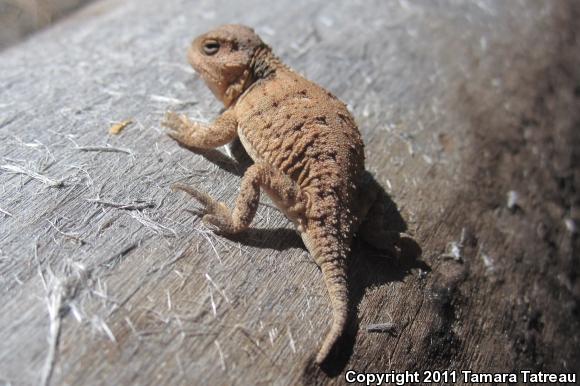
(459, 103)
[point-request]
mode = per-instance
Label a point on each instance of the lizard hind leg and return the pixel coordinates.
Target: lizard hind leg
(373, 215)
(220, 218)
(382, 239)
(212, 207)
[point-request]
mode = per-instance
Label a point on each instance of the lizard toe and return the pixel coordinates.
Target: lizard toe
(210, 205)
(215, 224)
(171, 120)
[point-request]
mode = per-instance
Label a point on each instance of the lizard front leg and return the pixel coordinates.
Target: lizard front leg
(284, 192)
(194, 134)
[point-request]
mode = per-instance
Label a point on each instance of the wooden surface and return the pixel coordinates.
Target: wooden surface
(20, 18)
(461, 105)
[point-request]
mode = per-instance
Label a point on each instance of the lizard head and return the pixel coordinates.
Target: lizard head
(224, 60)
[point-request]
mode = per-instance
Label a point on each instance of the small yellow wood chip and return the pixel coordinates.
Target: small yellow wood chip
(118, 127)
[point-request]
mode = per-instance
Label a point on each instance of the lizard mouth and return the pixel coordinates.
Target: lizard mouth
(211, 79)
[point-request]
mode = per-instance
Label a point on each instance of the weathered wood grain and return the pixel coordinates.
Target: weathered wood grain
(459, 103)
(20, 18)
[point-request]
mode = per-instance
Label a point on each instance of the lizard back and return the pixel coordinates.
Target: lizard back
(308, 134)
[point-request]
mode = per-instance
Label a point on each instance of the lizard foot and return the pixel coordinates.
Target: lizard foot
(217, 217)
(180, 127)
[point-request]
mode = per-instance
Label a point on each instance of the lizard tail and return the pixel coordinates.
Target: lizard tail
(334, 272)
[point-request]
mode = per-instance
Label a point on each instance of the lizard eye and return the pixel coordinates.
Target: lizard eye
(210, 47)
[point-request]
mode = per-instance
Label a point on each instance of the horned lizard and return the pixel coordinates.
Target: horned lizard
(307, 152)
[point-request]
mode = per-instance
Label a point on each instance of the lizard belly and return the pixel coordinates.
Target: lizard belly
(250, 149)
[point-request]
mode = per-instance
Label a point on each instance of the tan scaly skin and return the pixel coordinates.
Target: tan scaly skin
(307, 151)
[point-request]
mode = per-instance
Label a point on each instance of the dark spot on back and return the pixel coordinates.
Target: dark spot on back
(344, 118)
(298, 126)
